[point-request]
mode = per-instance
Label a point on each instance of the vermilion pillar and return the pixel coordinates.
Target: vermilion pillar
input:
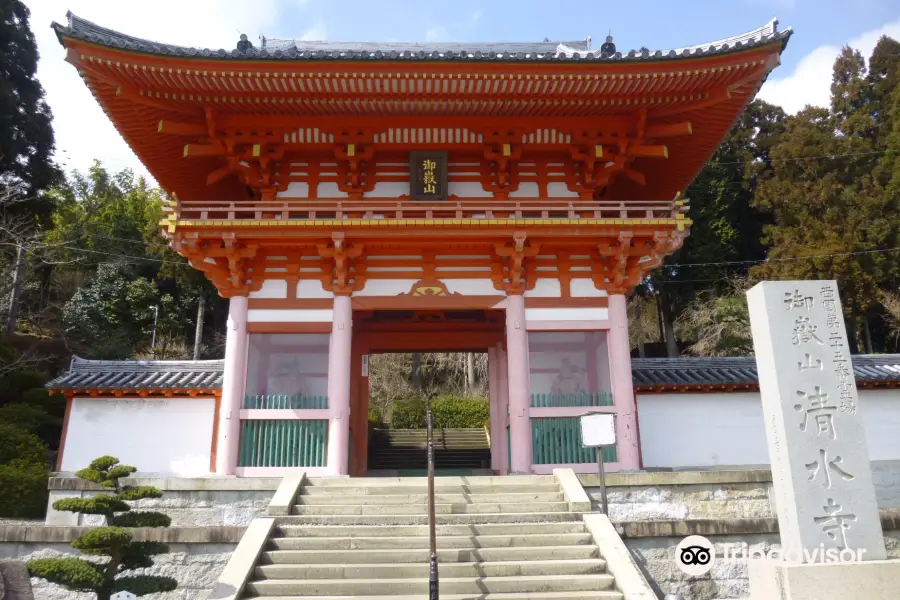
(339, 387)
(519, 385)
(503, 404)
(622, 385)
(496, 420)
(233, 381)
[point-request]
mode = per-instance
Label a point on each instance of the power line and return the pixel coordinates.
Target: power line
(786, 259)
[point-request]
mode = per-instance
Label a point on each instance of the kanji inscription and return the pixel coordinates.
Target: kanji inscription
(428, 175)
(817, 445)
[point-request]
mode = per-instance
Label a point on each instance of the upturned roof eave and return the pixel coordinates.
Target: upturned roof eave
(85, 31)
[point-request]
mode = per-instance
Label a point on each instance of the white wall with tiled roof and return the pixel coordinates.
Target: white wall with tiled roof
(682, 430)
(156, 435)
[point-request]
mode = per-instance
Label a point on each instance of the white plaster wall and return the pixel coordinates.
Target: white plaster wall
(386, 287)
(725, 429)
(471, 287)
(585, 288)
(468, 189)
(527, 189)
(544, 288)
(266, 315)
(272, 288)
(558, 189)
(310, 288)
(295, 189)
(566, 314)
(171, 435)
(389, 189)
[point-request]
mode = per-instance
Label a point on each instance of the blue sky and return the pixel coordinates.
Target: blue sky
(821, 28)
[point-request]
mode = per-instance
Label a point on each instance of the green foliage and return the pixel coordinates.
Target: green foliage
(24, 489)
(141, 585)
(24, 416)
(102, 541)
(100, 504)
(140, 492)
(72, 573)
(143, 519)
(832, 186)
(112, 540)
(447, 412)
(26, 138)
(23, 472)
(19, 444)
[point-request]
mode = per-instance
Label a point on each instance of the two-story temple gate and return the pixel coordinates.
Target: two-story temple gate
(326, 187)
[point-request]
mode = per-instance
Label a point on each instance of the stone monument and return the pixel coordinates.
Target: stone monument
(827, 512)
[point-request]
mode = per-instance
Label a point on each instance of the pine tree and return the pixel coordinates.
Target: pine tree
(113, 541)
(26, 134)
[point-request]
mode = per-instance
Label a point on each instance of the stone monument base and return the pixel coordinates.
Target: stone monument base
(866, 580)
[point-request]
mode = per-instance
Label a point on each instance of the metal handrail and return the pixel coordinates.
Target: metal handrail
(432, 530)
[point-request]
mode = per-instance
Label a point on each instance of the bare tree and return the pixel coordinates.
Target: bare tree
(718, 320)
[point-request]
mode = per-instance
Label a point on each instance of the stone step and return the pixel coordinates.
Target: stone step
(492, 480)
(585, 566)
(445, 542)
(287, 527)
(386, 499)
(579, 595)
(462, 508)
(439, 488)
(421, 555)
(448, 585)
(422, 519)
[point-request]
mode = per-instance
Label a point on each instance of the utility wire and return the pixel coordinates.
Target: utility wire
(786, 259)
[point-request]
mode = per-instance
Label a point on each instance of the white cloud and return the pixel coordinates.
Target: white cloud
(810, 83)
(476, 16)
(437, 33)
(83, 132)
(316, 33)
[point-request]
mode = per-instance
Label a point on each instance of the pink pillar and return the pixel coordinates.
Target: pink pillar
(233, 380)
(503, 407)
(519, 392)
(339, 387)
(622, 386)
(496, 418)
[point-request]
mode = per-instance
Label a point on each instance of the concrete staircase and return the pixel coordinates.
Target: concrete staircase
(499, 538)
(403, 449)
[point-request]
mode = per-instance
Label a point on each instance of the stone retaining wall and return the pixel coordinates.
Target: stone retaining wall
(713, 494)
(196, 556)
(652, 544)
(190, 502)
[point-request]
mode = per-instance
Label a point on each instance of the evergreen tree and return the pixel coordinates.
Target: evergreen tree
(831, 189)
(26, 135)
(113, 541)
(727, 227)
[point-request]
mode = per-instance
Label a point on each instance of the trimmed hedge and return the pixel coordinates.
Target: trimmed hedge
(449, 412)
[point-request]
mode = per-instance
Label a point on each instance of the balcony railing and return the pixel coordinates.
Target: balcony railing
(287, 210)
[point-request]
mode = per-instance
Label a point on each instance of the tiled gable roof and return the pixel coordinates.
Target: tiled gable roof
(140, 375)
(564, 51)
(741, 370)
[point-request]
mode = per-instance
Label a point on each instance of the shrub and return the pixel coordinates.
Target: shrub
(24, 489)
(23, 473)
(447, 411)
(17, 444)
(113, 541)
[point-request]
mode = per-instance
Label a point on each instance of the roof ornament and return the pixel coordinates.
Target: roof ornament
(244, 44)
(608, 47)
